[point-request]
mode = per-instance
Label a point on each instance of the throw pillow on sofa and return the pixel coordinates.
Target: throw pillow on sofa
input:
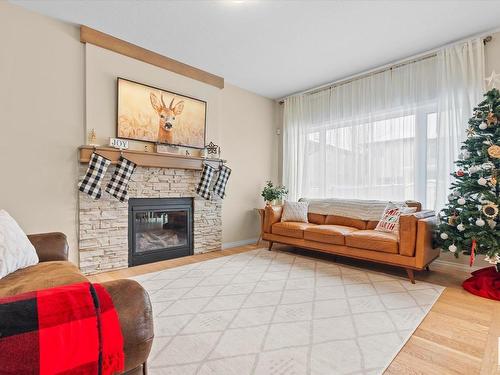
(390, 218)
(16, 250)
(295, 211)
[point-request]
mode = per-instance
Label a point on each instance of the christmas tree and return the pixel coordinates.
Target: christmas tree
(470, 222)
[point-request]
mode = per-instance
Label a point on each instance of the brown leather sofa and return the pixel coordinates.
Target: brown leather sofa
(130, 299)
(355, 238)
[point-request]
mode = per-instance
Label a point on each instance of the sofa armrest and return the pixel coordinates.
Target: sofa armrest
(424, 251)
(134, 309)
(272, 215)
(50, 246)
(408, 224)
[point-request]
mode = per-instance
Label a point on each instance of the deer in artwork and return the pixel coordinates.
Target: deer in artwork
(167, 116)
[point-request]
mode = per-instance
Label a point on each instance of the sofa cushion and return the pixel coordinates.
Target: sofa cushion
(316, 218)
(291, 229)
(41, 276)
(345, 221)
(373, 240)
(333, 234)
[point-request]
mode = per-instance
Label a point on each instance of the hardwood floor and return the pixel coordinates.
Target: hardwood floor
(458, 336)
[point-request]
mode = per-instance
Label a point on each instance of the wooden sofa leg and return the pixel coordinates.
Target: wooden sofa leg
(411, 275)
(145, 368)
(270, 245)
(427, 268)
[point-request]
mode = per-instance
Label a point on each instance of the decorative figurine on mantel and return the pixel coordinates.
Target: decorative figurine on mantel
(213, 149)
(92, 137)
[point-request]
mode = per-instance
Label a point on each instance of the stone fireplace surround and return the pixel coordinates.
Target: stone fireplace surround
(103, 223)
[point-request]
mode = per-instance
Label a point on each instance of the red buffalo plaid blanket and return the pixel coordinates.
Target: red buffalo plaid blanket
(72, 329)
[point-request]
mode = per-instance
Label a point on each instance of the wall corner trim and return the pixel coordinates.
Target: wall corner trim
(100, 39)
(230, 245)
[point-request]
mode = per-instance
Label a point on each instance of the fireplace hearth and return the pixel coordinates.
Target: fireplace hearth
(159, 229)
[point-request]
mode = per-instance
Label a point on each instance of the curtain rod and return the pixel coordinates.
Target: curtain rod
(375, 71)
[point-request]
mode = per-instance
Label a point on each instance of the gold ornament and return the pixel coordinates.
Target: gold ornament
(490, 210)
(491, 119)
(494, 151)
(452, 219)
(493, 181)
(470, 132)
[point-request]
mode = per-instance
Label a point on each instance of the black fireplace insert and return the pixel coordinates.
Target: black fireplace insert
(159, 229)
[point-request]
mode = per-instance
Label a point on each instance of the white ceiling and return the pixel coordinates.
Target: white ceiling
(275, 48)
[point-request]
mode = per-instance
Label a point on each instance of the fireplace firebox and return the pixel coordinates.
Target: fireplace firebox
(159, 229)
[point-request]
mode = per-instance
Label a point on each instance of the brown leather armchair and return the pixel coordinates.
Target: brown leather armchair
(129, 297)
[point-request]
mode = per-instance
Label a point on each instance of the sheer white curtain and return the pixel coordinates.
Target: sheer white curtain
(376, 137)
(461, 86)
(358, 140)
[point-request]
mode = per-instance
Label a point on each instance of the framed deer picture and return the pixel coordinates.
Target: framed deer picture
(150, 114)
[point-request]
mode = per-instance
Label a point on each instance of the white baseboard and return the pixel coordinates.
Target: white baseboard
(229, 245)
(454, 265)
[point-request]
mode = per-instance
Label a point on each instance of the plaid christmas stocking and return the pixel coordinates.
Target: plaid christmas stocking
(91, 183)
(220, 184)
(203, 188)
(118, 184)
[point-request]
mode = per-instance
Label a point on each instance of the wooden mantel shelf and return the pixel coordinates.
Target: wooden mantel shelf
(146, 159)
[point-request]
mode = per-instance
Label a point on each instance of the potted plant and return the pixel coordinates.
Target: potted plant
(271, 193)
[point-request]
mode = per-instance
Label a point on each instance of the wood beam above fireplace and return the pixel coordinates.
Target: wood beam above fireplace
(100, 39)
(146, 159)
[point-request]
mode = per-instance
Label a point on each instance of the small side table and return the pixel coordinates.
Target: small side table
(261, 212)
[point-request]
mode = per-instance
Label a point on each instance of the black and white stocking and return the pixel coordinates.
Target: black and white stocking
(220, 184)
(91, 183)
(203, 188)
(118, 185)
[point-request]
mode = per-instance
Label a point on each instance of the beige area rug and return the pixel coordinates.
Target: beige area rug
(273, 313)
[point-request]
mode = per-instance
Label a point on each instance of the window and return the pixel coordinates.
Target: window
(390, 156)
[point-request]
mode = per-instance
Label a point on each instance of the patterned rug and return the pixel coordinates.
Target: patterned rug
(271, 313)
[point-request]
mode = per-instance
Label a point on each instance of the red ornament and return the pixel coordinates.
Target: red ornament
(472, 253)
(460, 173)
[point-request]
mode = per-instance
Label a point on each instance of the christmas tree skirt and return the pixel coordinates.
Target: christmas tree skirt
(484, 283)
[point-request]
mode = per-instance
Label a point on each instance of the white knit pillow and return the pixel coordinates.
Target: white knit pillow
(295, 211)
(16, 250)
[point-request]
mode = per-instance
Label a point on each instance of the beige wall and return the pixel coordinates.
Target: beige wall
(248, 140)
(47, 75)
(41, 120)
